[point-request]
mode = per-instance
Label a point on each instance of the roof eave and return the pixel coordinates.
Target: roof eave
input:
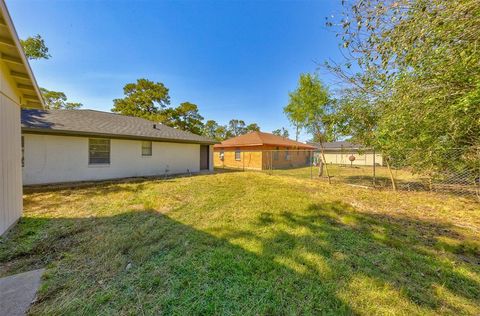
(300, 145)
(263, 144)
(237, 145)
(29, 130)
(21, 54)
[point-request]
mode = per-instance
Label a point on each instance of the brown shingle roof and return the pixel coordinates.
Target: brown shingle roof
(104, 124)
(259, 139)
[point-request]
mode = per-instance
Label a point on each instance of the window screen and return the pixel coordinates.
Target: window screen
(237, 155)
(98, 151)
(146, 148)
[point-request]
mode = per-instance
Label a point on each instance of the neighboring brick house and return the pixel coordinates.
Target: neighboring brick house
(260, 151)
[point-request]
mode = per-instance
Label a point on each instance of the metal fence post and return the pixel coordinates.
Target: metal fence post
(374, 175)
(477, 179)
(243, 160)
(271, 162)
(310, 156)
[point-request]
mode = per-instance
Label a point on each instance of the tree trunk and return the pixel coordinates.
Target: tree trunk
(320, 167)
(394, 185)
(325, 161)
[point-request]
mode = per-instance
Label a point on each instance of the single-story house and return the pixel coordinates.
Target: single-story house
(340, 153)
(18, 88)
(84, 145)
(261, 151)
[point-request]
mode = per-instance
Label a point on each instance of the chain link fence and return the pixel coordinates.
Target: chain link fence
(456, 175)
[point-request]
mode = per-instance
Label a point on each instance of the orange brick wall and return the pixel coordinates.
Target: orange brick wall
(261, 158)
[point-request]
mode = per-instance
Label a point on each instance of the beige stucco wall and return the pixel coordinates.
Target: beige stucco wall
(364, 159)
(10, 152)
(53, 159)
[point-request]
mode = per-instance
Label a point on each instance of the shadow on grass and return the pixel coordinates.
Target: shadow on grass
(384, 182)
(144, 262)
(173, 269)
(399, 252)
(111, 185)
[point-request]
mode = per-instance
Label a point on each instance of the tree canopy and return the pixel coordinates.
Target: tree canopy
(35, 47)
(253, 127)
(185, 117)
(55, 100)
(411, 78)
(215, 131)
(151, 100)
(283, 132)
(236, 127)
(311, 107)
(143, 98)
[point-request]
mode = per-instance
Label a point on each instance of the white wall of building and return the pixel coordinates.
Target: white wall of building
(10, 153)
(53, 159)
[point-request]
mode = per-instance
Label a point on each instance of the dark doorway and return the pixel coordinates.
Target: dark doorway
(204, 157)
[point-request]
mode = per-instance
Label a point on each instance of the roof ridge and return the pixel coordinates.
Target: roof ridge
(106, 112)
(259, 138)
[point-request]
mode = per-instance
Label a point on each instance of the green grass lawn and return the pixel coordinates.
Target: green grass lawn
(247, 243)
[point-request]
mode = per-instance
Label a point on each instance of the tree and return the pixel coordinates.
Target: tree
(281, 132)
(144, 99)
(236, 127)
(215, 131)
(55, 100)
(222, 133)
(185, 117)
(210, 129)
(311, 106)
(253, 127)
(35, 48)
(413, 67)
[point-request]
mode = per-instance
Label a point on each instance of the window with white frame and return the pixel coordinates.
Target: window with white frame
(238, 154)
(98, 151)
(146, 148)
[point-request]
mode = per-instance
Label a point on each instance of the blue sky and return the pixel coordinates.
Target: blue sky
(234, 59)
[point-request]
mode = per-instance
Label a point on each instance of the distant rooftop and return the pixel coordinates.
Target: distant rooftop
(259, 139)
(104, 124)
(338, 145)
